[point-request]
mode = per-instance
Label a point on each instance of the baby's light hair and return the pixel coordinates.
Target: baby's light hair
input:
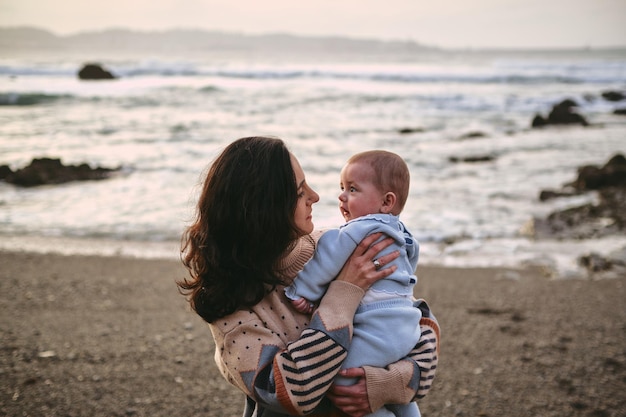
(390, 174)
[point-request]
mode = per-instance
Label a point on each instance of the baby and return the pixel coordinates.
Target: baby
(374, 189)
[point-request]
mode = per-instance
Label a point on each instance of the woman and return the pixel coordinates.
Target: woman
(252, 234)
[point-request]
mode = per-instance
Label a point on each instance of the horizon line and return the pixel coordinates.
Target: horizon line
(314, 36)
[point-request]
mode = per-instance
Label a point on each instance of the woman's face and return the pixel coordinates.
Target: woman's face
(306, 198)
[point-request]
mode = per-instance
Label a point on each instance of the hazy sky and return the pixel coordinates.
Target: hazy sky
(445, 23)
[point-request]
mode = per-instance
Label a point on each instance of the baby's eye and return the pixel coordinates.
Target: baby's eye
(352, 189)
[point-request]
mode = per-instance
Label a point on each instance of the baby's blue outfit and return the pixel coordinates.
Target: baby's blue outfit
(386, 325)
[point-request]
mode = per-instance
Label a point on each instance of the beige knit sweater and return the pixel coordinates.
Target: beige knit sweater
(285, 361)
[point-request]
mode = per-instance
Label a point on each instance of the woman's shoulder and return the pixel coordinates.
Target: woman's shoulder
(299, 254)
(316, 234)
(240, 317)
(271, 317)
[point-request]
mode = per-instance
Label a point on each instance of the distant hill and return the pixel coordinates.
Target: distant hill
(25, 39)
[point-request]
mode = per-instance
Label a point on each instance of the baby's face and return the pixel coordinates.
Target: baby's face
(359, 196)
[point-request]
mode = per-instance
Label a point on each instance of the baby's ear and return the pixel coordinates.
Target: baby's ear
(389, 201)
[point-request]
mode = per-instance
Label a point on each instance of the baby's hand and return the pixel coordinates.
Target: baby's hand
(303, 305)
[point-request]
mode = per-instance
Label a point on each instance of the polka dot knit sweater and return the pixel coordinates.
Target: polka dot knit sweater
(285, 361)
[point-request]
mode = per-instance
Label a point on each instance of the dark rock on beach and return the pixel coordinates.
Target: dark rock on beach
(43, 171)
(589, 221)
(607, 217)
(561, 114)
(612, 265)
(94, 71)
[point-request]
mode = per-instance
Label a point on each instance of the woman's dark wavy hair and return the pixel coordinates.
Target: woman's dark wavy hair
(244, 224)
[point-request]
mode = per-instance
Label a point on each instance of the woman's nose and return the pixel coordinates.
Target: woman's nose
(314, 197)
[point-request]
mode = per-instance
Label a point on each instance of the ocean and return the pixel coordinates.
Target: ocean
(168, 115)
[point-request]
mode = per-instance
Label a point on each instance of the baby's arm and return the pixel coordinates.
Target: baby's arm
(303, 305)
(412, 248)
(332, 251)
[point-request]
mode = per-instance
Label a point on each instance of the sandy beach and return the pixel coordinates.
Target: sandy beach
(110, 336)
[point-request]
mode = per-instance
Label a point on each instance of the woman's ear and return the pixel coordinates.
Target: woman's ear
(389, 201)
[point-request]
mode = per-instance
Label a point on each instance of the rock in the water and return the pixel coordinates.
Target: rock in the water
(584, 222)
(5, 171)
(539, 121)
(608, 217)
(472, 158)
(546, 195)
(410, 130)
(613, 95)
(612, 174)
(94, 72)
(43, 171)
(561, 114)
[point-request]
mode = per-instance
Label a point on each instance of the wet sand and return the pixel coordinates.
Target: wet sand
(111, 336)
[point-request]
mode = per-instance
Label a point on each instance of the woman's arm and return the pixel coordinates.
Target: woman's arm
(294, 378)
(399, 383)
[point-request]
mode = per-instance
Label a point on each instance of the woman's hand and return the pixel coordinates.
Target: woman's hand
(351, 399)
(360, 269)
